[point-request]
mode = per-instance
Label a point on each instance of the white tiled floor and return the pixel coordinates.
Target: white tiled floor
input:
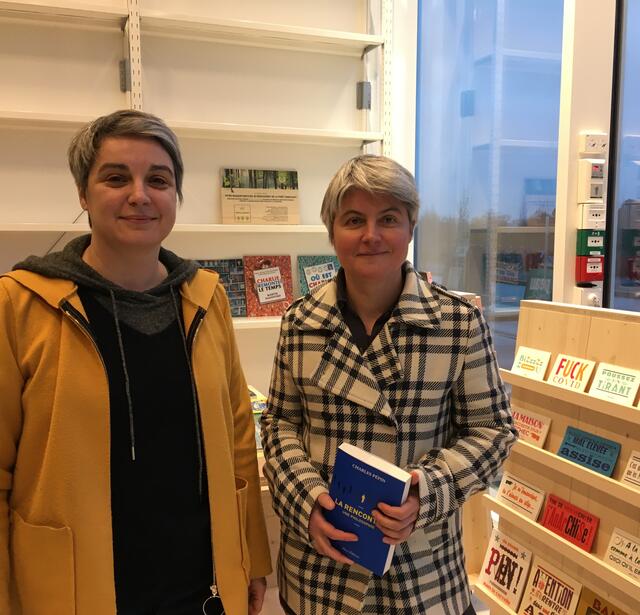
(272, 604)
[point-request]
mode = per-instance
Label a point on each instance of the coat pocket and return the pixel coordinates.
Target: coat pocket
(43, 567)
(241, 504)
(439, 534)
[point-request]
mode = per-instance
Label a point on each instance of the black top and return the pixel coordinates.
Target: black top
(161, 525)
(358, 331)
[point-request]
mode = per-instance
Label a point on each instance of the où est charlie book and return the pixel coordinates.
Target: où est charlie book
(268, 284)
(361, 480)
(505, 569)
(549, 591)
(316, 270)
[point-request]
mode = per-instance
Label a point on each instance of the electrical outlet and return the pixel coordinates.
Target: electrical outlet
(594, 143)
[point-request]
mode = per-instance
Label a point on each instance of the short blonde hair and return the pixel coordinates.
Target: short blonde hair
(373, 174)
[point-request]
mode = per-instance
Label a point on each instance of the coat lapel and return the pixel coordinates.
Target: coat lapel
(341, 369)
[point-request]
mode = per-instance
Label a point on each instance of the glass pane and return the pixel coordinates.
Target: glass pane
(626, 201)
(488, 106)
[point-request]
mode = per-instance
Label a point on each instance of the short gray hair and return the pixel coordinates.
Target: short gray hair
(373, 174)
(125, 123)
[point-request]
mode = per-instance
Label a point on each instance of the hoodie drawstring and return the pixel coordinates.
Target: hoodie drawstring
(127, 387)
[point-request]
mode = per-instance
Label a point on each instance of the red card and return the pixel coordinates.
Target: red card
(575, 524)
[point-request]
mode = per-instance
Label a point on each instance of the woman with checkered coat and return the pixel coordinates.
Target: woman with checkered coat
(383, 360)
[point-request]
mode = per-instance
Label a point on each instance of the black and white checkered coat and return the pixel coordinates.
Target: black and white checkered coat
(426, 394)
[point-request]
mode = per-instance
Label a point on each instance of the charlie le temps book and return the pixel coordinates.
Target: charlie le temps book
(360, 481)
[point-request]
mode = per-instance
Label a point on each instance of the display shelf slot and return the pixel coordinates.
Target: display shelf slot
(257, 322)
(564, 548)
(258, 34)
(50, 121)
(74, 13)
(495, 607)
(275, 134)
(608, 486)
(630, 414)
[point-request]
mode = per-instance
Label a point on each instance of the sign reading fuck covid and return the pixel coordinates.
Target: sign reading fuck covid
(571, 373)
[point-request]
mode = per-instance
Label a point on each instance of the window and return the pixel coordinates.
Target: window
(488, 107)
(625, 253)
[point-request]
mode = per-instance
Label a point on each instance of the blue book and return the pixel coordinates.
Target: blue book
(360, 481)
(590, 451)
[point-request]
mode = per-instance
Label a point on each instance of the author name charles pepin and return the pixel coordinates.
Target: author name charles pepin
(368, 472)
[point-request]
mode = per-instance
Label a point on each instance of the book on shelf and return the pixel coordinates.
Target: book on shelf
(231, 272)
(268, 284)
(549, 591)
(259, 196)
(590, 451)
(623, 553)
(505, 569)
(316, 270)
(593, 604)
(531, 362)
(631, 474)
(574, 524)
(360, 481)
(571, 372)
(258, 406)
(520, 495)
(532, 427)
(615, 383)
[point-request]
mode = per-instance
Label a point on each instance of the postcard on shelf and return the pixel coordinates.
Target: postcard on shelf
(360, 481)
(505, 569)
(571, 522)
(520, 495)
(593, 604)
(231, 274)
(549, 591)
(614, 383)
(533, 428)
(631, 474)
(259, 196)
(258, 405)
(531, 362)
(268, 284)
(315, 271)
(571, 372)
(623, 553)
(590, 451)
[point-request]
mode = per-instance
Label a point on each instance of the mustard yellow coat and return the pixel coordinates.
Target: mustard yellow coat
(56, 553)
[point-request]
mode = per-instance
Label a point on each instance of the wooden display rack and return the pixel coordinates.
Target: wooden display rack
(599, 335)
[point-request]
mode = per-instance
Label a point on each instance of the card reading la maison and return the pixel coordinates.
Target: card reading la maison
(531, 362)
(614, 383)
(533, 428)
(571, 372)
(632, 471)
(315, 271)
(259, 196)
(268, 284)
(231, 274)
(520, 495)
(360, 481)
(590, 451)
(505, 569)
(594, 604)
(549, 591)
(623, 553)
(572, 523)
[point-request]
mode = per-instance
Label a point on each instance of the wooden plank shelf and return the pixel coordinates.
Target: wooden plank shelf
(564, 548)
(622, 412)
(611, 488)
(258, 34)
(73, 13)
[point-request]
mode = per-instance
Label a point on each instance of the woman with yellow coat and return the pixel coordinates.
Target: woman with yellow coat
(128, 473)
